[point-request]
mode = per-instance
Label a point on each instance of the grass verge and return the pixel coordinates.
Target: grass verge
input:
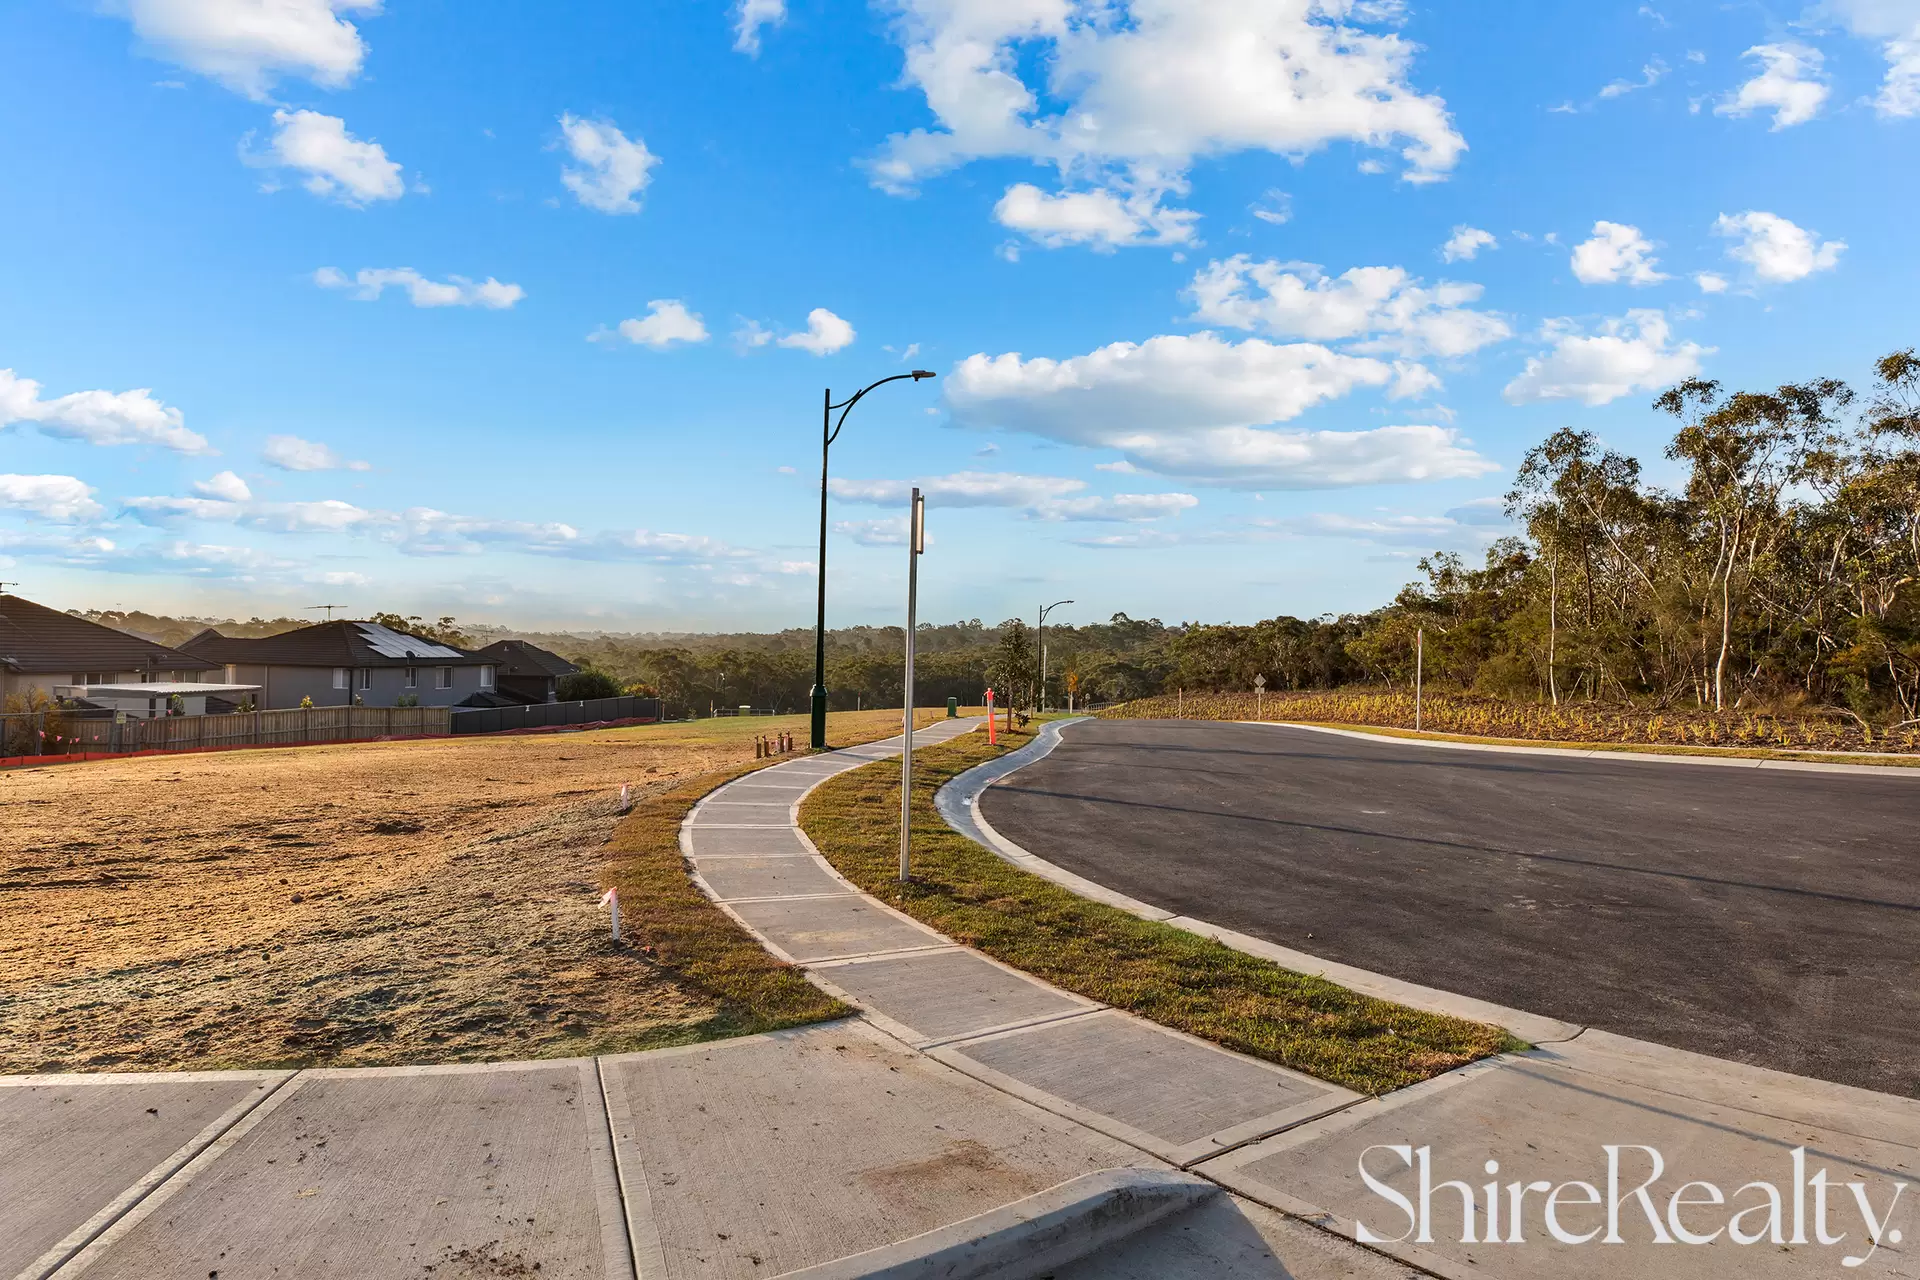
(1167, 975)
(694, 940)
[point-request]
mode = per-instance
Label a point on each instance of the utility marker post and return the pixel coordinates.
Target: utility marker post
(1260, 697)
(991, 738)
(611, 900)
(1419, 673)
(916, 545)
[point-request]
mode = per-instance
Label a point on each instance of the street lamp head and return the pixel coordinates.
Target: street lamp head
(922, 373)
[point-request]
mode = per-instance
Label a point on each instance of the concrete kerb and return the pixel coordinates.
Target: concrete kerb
(1576, 753)
(959, 803)
(1030, 1237)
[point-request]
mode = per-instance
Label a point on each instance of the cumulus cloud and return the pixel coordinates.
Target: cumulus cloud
(891, 532)
(225, 487)
(61, 499)
(1777, 251)
(825, 334)
(248, 44)
(1039, 497)
(1634, 352)
(609, 169)
(98, 417)
(1196, 406)
(749, 16)
(1790, 84)
(1616, 252)
(291, 453)
(1103, 218)
(455, 291)
(1135, 91)
(1710, 281)
(1392, 310)
(337, 165)
(1465, 244)
(667, 321)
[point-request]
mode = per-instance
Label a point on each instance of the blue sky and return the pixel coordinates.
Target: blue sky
(523, 313)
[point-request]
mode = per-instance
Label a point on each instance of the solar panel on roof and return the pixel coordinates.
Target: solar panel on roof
(394, 644)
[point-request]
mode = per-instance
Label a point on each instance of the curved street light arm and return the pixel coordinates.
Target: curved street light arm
(846, 406)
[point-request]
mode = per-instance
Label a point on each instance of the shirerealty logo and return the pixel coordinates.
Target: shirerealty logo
(1639, 1205)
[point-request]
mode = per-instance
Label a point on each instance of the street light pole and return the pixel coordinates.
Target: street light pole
(829, 432)
(1040, 702)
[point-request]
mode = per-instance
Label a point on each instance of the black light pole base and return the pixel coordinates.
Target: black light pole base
(819, 726)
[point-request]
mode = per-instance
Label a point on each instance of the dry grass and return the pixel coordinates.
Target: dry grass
(358, 904)
(1572, 723)
(1165, 974)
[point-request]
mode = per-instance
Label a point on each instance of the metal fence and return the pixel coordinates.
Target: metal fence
(56, 732)
(544, 714)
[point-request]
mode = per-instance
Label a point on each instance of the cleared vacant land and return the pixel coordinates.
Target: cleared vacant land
(359, 904)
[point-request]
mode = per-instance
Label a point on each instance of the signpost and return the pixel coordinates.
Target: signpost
(1419, 673)
(1260, 697)
(916, 546)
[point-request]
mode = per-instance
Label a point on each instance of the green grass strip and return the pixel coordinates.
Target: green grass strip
(1167, 975)
(694, 940)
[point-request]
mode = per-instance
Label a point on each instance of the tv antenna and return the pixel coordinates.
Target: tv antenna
(4, 585)
(315, 608)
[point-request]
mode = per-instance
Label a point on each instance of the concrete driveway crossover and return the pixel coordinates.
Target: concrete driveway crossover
(1767, 916)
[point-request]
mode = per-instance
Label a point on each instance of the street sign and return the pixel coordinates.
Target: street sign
(1259, 682)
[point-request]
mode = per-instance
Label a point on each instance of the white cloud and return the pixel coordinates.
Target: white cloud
(1789, 84)
(456, 291)
(1778, 251)
(876, 533)
(248, 44)
(667, 321)
(338, 166)
(1104, 218)
(225, 487)
(1425, 533)
(826, 333)
(1616, 252)
(1710, 281)
(1465, 244)
(291, 453)
(62, 499)
(1137, 90)
(612, 168)
(1130, 507)
(98, 417)
(1895, 24)
(1194, 406)
(1040, 497)
(1650, 75)
(1630, 353)
(751, 15)
(1276, 207)
(1393, 310)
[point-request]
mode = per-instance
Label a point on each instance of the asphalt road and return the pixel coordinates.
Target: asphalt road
(1769, 916)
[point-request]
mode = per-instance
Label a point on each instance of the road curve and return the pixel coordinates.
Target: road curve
(1768, 916)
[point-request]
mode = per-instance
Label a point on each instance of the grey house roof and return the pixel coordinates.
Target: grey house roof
(519, 658)
(332, 644)
(36, 638)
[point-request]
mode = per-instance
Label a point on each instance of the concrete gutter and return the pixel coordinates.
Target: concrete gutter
(959, 803)
(1033, 1237)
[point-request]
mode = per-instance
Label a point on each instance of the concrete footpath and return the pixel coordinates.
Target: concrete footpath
(972, 1122)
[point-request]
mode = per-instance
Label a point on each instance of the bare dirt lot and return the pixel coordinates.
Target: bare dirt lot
(360, 904)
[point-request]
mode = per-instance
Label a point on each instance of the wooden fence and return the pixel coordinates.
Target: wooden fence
(58, 733)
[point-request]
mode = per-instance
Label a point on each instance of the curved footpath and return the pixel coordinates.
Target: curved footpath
(974, 1122)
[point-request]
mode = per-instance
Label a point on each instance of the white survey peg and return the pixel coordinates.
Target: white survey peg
(626, 801)
(611, 900)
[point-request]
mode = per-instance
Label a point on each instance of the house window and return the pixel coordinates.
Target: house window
(413, 677)
(486, 677)
(366, 677)
(342, 678)
(445, 680)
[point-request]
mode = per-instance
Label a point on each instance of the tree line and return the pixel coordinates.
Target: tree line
(1782, 570)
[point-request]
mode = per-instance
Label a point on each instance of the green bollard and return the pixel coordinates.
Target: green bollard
(953, 708)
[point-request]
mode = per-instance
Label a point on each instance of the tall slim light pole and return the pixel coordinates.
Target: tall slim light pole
(829, 432)
(1040, 702)
(916, 546)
